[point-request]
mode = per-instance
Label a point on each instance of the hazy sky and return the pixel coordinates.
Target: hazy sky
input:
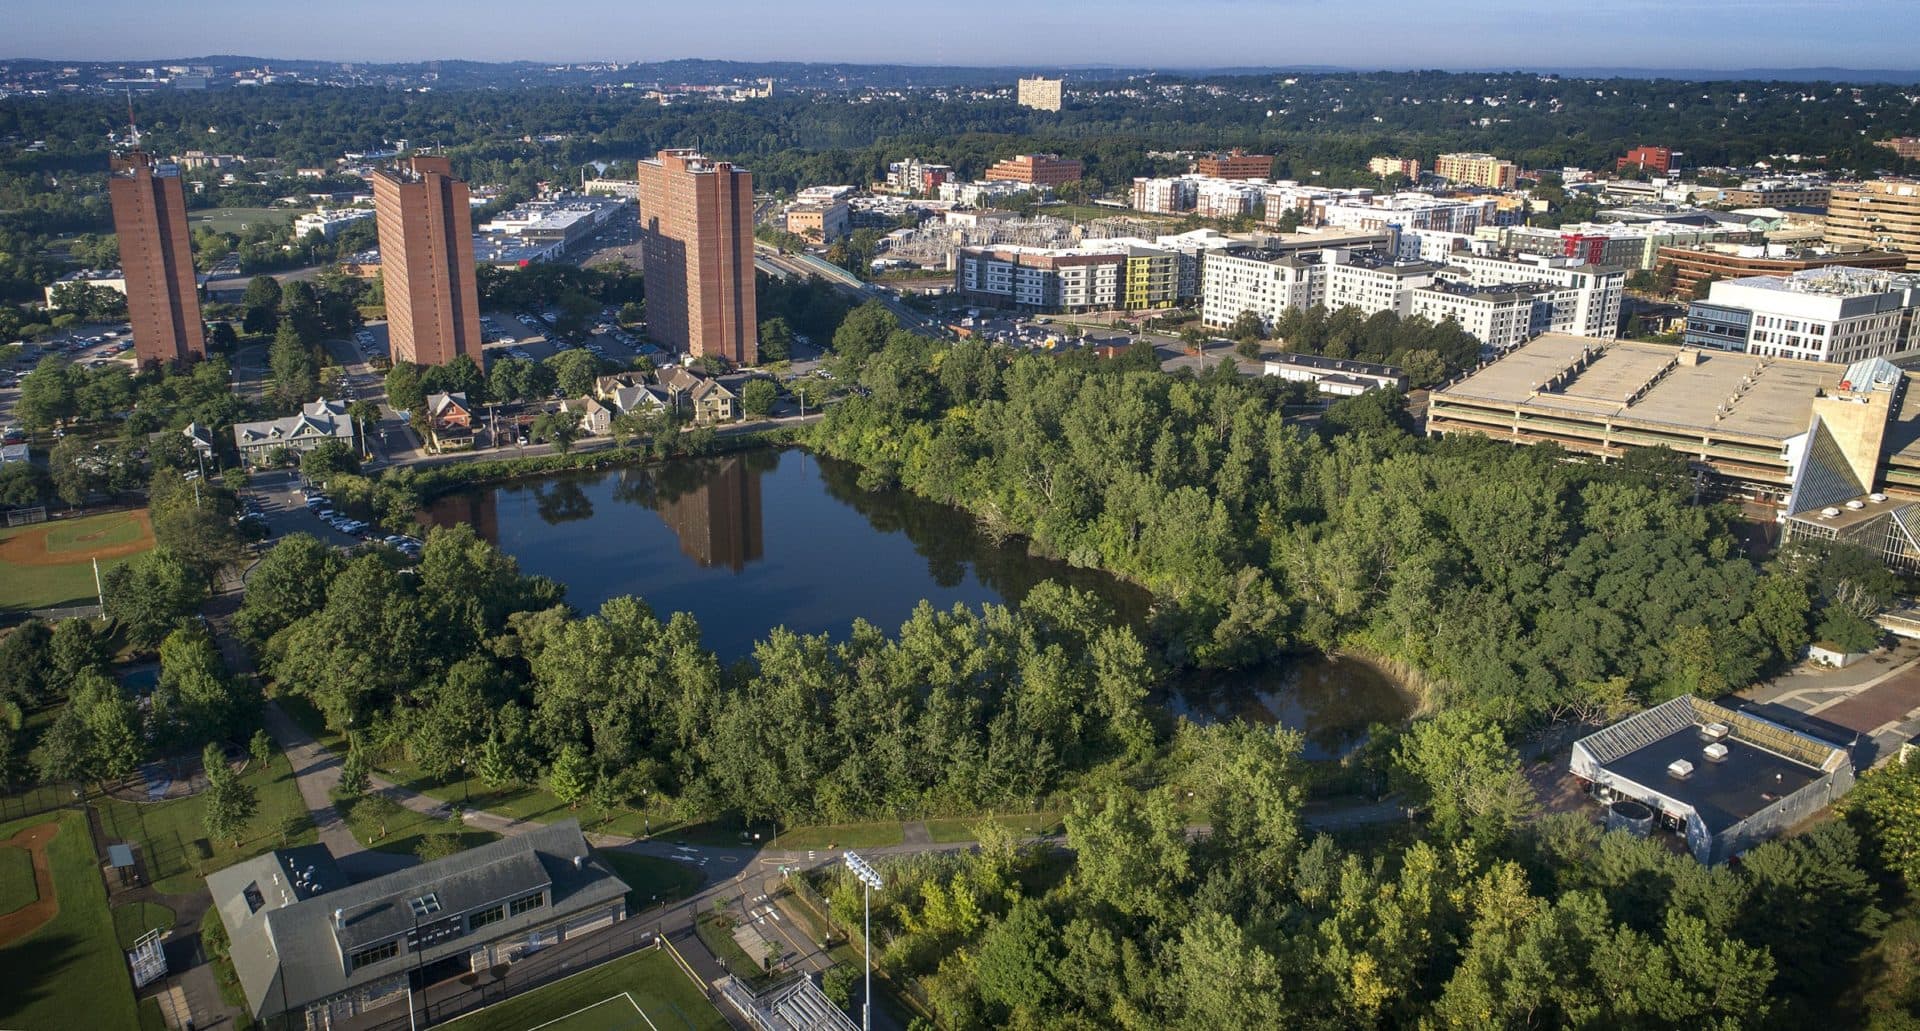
(1036, 33)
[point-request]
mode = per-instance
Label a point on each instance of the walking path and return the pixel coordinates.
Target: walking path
(317, 773)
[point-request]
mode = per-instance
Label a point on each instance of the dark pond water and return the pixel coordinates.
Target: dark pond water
(759, 539)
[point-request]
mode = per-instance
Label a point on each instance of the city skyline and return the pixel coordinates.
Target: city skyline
(1060, 34)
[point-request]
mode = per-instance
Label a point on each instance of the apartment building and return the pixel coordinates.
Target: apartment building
(818, 222)
(1475, 169)
(425, 225)
(1658, 160)
(913, 176)
(156, 259)
(1737, 261)
(1260, 281)
(1040, 94)
(1374, 282)
(1905, 146)
(1834, 314)
(1585, 302)
(1408, 211)
(696, 225)
(1235, 164)
(1043, 279)
(1036, 170)
(1623, 246)
(1501, 317)
(1165, 196)
(1778, 193)
(1386, 166)
(1883, 214)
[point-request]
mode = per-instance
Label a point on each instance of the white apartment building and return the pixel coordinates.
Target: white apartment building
(1165, 196)
(1500, 317)
(1586, 301)
(1260, 282)
(1411, 211)
(979, 194)
(1050, 279)
(1835, 314)
(1227, 198)
(328, 221)
(1373, 283)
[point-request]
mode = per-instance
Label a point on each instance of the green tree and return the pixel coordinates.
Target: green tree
(571, 775)
(757, 397)
(560, 429)
(404, 391)
(574, 371)
(1459, 764)
(295, 374)
(326, 458)
(76, 469)
(231, 803)
(261, 748)
(151, 593)
(776, 340)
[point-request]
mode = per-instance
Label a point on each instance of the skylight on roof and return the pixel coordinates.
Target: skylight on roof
(425, 905)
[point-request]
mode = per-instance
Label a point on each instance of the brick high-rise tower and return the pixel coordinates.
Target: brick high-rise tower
(426, 262)
(150, 219)
(696, 227)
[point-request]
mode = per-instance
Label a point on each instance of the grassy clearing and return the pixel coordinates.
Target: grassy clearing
(716, 930)
(234, 220)
(668, 998)
(841, 835)
(16, 879)
(72, 966)
(60, 569)
(652, 880)
(137, 918)
(1023, 825)
(172, 836)
(387, 826)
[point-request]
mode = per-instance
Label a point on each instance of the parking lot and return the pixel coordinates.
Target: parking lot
(530, 335)
(279, 501)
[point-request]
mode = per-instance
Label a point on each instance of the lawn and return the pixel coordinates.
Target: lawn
(652, 880)
(49, 564)
(72, 966)
(234, 220)
(841, 835)
(137, 918)
(716, 930)
(382, 824)
(16, 879)
(649, 978)
(172, 836)
(1023, 825)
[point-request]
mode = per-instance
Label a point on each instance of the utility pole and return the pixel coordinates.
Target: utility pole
(869, 880)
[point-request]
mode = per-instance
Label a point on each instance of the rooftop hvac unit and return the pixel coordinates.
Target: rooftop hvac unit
(1714, 731)
(1680, 769)
(1716, 752)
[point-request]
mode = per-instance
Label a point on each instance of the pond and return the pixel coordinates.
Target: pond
(758, 539)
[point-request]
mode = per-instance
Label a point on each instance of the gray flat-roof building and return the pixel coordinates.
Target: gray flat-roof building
(307, 943)
(1727, 779)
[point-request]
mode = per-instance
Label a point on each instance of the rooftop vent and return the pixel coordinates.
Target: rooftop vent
(1716, 752)
(339, 919)
(1856, 504)
(1829, 512)
(1714, 731)
(579, 862)
(1680, 769)
(1876, 498)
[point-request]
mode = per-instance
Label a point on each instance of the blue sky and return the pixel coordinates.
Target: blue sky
(1036, 33)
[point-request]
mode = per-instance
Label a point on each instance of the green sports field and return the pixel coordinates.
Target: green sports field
(644, 991)
(48, 564)
(234, 220)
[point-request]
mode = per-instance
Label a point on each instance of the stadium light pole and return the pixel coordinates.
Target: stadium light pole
(869, 879)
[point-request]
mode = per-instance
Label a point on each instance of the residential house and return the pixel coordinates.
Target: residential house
(596, 419)
(705, 398)
(318, 421)
(450, 420)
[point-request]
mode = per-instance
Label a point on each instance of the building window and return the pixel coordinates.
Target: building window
(485, 917)
(368, 957)
(533, 901)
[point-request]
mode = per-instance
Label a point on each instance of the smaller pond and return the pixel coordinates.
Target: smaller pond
(1331, 701)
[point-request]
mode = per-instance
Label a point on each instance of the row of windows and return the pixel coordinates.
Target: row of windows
(491, 915)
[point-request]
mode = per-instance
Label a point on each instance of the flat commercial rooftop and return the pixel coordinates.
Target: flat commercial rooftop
(1766, 399)
(1723, 793)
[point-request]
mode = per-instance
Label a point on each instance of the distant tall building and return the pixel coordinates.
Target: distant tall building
(1882, 214)
(1477, 170)
(1040, 94)
(150, 219)
(696, 228)
(426, 258)
(1905, 146)
(1237, 164)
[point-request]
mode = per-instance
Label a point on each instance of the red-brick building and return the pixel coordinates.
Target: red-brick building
(156, 255)
(1652, 159)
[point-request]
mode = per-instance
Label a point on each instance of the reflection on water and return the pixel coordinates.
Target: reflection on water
(1333, 701)
(763, 538)
(750, 541)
